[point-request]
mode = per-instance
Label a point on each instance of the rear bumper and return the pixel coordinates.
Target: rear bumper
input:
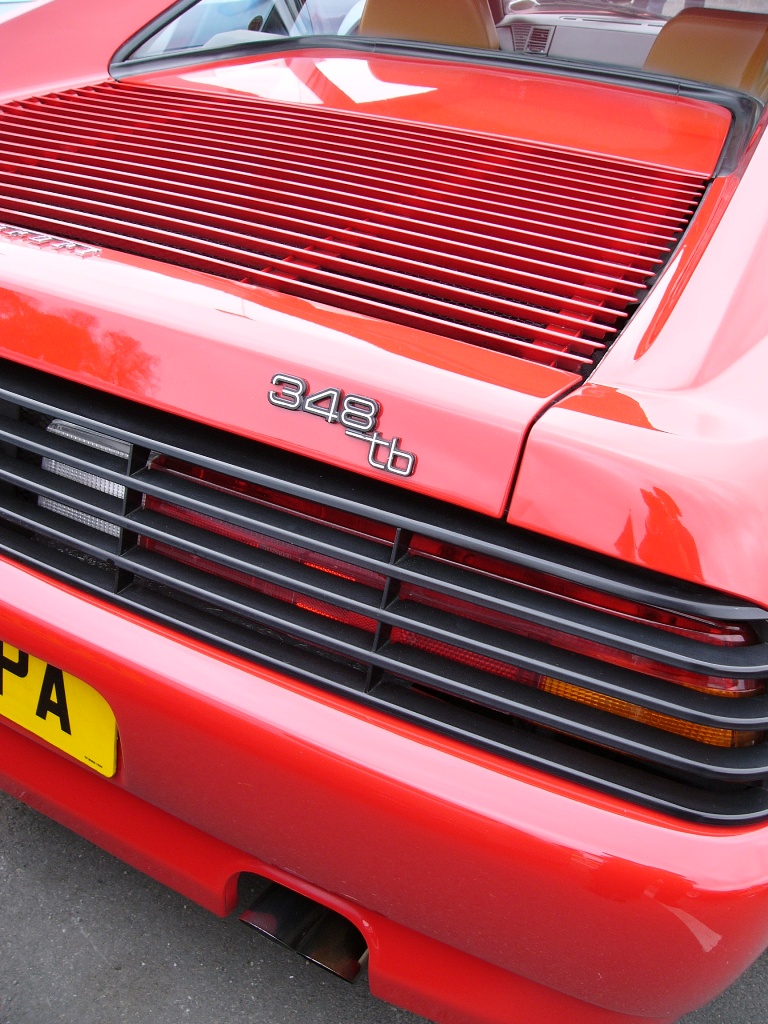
(483, 888)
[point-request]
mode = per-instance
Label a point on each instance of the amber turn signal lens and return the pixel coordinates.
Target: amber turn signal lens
(658, 720)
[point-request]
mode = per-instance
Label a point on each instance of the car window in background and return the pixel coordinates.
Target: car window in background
(226, 22)
(13, 8)
(626, 33)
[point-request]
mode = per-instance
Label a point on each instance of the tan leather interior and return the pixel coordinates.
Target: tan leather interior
(728, 48)
(447, 22)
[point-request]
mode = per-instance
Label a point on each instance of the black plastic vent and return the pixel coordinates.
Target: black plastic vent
(527, 38)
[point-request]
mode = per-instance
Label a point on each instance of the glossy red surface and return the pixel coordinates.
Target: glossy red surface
(130, 326)
(588, 117)
(516, 894)
(405, 967)
(476, 838)
(661, 458)
(66, 43)
(512, 246)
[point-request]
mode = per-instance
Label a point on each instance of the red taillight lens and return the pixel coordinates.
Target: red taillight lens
(720, 685)
(310, 604)
(334, 566)
(704, 630)
(314, 511)
(295, 507)
(294, 510)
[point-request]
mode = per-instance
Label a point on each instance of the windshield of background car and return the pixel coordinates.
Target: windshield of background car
(722, 43)
(14, 8)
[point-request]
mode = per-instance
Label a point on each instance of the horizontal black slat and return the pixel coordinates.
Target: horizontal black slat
(704, 804)
(531, 655)
(524, 703)
(627, 781)
(528, 704)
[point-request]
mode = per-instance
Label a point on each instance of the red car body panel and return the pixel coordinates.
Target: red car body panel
(687, 374)
(66, 43)
(126, 327)
(476, 839)
(517, 893)
(407, 967)
(670, 131)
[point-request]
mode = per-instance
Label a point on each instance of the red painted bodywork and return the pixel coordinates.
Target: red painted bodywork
(123, 326)
(688, 420)
(516, 894)
(335, 795)
(66, 43)
(606, 119)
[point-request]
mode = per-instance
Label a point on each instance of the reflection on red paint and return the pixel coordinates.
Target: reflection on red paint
(45, 335)
(609, 404)
(664, 541)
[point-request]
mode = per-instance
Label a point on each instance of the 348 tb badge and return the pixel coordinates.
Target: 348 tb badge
(358, 414)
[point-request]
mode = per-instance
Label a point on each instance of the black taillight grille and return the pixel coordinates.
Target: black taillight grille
(625, 680)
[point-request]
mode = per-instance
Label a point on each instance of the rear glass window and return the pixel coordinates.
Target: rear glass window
(723, 43)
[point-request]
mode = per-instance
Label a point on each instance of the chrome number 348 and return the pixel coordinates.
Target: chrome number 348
(358, 415)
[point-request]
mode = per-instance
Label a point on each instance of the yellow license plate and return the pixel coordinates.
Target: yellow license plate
(59, 708)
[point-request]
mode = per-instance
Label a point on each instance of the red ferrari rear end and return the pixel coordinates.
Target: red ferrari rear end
(382, 473)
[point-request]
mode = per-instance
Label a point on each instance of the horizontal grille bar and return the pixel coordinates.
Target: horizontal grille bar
(337, 583)
(533, 251)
